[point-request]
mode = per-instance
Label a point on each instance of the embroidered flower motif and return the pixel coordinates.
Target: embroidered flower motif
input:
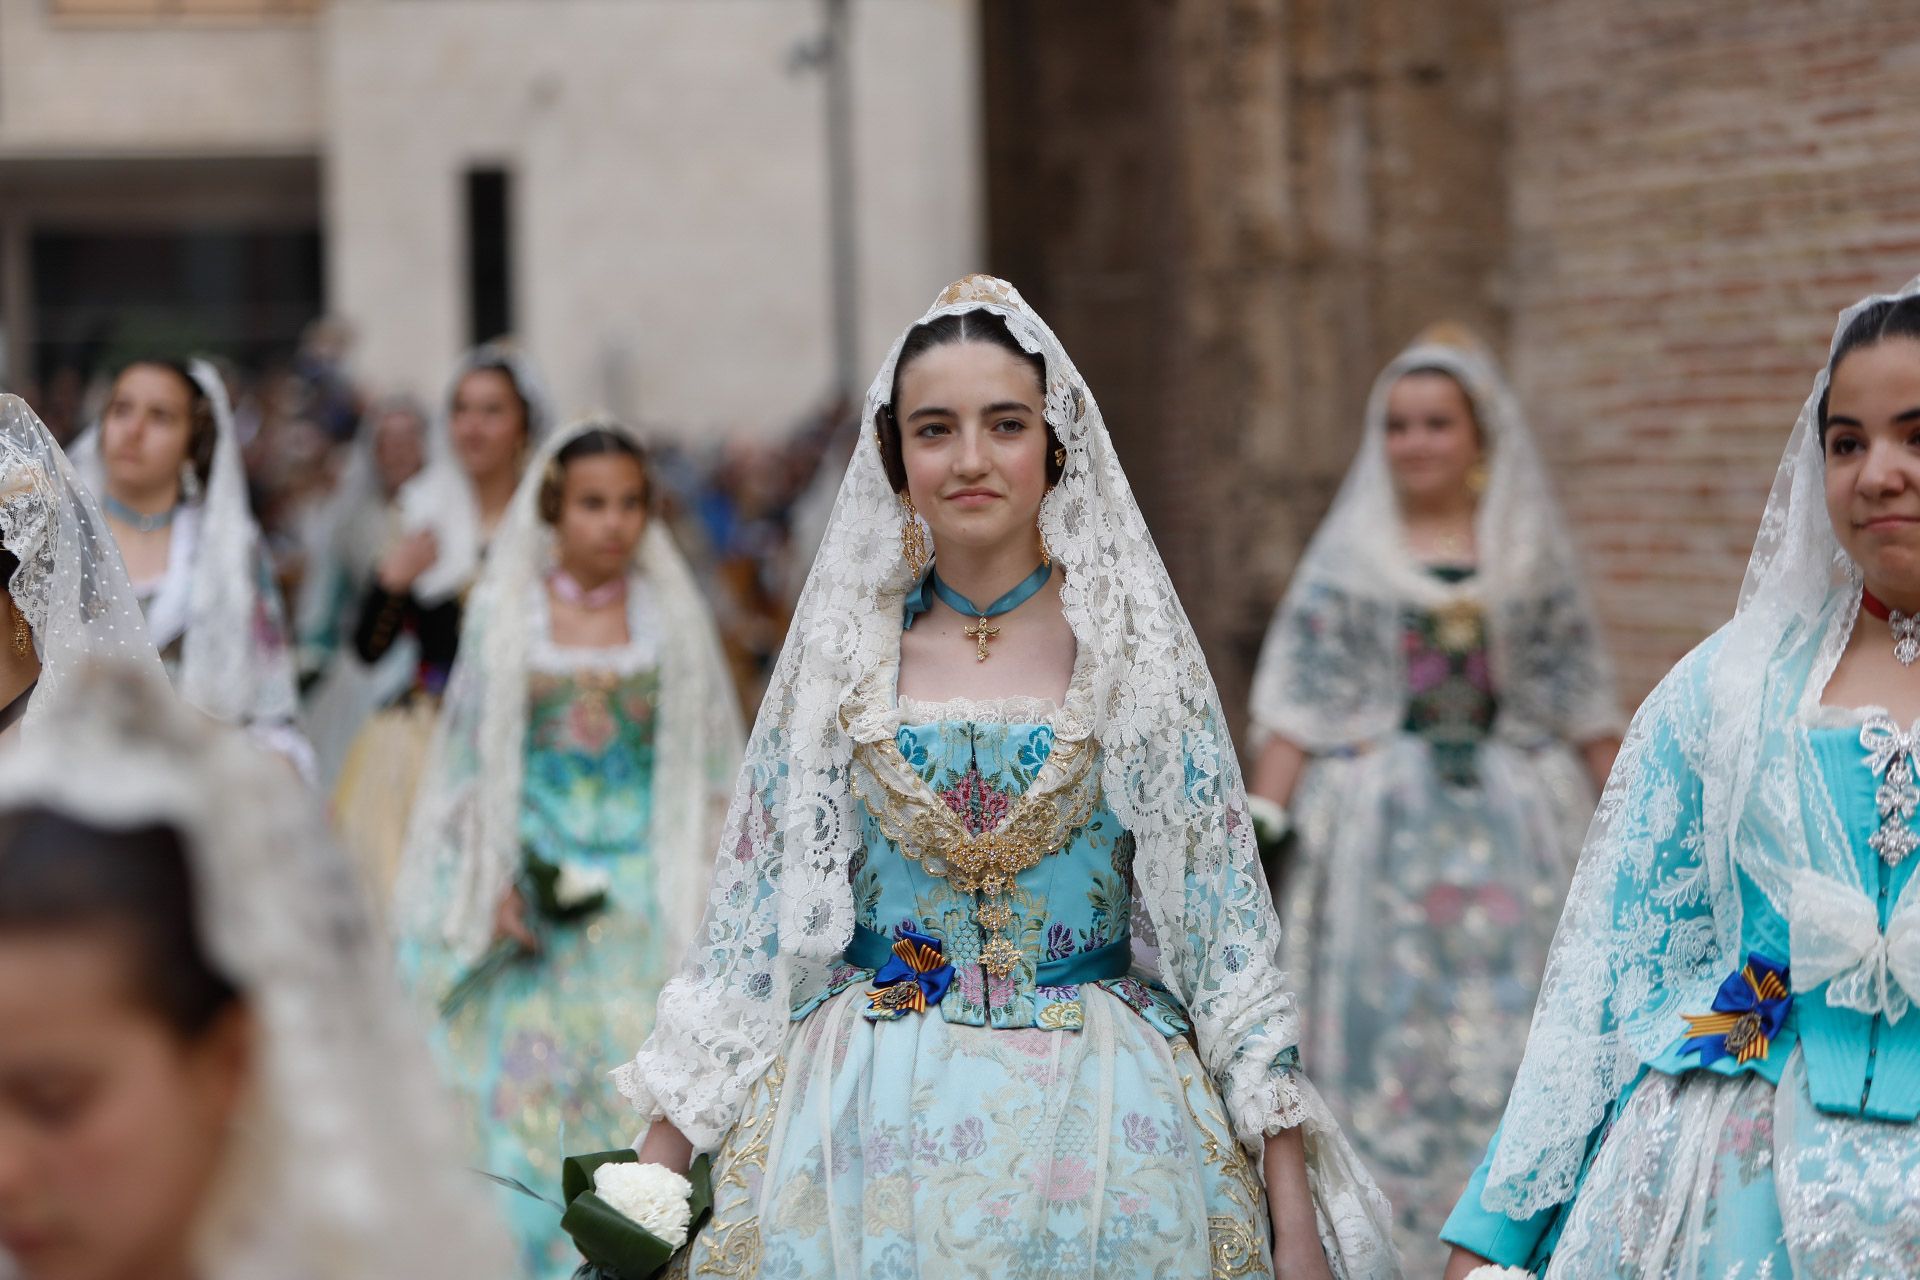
(1140, 1133)
(590, 724)
(969, 1138)
(1034, 751)
(980, 807)
(1059, 941)
(1064, 1181)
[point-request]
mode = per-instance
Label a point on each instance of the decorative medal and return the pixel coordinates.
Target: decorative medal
(1905, 627)
(1749, 1012)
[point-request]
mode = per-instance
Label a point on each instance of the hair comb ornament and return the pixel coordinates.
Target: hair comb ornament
(981, 288)
(1455, 335)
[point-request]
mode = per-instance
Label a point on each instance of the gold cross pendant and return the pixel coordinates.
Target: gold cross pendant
(980, 633)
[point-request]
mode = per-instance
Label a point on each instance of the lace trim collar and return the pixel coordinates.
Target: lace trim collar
(1018, 709)
(641, 652)
(873, 711)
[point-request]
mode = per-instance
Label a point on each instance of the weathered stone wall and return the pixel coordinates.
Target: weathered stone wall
(1234, 212)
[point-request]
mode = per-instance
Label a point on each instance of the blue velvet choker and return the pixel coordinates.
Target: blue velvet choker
(980, 633)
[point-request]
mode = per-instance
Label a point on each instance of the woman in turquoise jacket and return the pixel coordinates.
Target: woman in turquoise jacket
(1723, 1073)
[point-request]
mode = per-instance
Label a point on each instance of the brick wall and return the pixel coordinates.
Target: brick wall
(1697, 187)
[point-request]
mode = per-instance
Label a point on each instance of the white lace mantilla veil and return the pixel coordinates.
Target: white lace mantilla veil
(781, 909)
(1631, 953)
(223, 670)
(345, 1163)
(1524, 557)
(71, 584)
(463, 845)
(441, 497)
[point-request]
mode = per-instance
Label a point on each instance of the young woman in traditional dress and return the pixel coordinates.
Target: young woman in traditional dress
(1723, 1075)
(164, 463)
(988, 984)
(568, 814)
(205, 1070)
(1434, 707)
(448, 514)
(64, 595)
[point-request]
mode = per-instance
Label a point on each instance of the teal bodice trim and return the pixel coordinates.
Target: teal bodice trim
(870, 949)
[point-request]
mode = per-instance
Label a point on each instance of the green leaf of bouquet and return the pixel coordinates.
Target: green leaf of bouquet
(611, 1240)
(701, 1176)
(514, 1184)
(576, 1172)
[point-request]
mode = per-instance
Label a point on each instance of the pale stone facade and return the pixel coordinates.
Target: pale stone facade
(667, 158)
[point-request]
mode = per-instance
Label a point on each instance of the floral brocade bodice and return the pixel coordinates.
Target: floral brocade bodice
(1021, 948)
(1450, 695)
(588, 786)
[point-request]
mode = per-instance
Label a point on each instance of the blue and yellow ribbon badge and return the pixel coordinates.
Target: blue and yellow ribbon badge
(918, 975)
(1748, 1014)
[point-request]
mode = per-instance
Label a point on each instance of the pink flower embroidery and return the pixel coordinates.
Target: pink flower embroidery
(591, 724)
(1064, 1181)
(1426, 671)
(980, 807)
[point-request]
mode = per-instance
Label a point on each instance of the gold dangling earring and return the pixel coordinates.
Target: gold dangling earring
(1046, 553)
(913, 539)
(1477, 479)
(22, 633)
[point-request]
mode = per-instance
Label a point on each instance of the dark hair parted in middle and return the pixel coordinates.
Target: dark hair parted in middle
(942, 331)
(134, 887)
(494, 360)
(1893, 318)
(203, 432)
(593, 441)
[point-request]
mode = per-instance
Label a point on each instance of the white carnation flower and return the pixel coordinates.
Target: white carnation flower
(1492, 1272)
(1270, 821)
(577, 885)
(650, 1194)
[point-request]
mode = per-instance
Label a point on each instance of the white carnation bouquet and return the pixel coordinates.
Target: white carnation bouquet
(625, 1217)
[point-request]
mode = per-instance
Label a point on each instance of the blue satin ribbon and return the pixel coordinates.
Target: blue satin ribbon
(870, 949)
(917, 601)
(1749, 1012)
(915, 976)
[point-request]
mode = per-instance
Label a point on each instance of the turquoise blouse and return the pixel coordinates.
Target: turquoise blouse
(1857, 1065)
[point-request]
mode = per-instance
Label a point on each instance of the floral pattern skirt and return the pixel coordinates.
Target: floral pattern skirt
(1728, 1177)
(1418, 919)
(921, 1148)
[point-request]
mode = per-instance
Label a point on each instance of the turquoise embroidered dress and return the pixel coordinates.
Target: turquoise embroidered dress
(526, 1052)
(1804, 1158)
(1041, 1112)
